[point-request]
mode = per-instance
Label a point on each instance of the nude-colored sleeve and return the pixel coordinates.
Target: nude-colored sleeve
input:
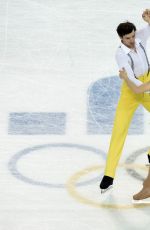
(143, 34)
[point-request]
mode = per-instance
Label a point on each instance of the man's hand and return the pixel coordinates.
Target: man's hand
(146, 15)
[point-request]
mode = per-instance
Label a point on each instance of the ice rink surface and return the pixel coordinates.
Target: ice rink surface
(58, 93)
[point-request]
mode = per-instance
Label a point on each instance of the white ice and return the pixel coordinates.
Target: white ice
(50, 53)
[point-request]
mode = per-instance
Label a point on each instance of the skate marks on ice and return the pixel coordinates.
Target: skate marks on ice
(100, 115)
(102, 100)
(113, 198)
(82, 185)
(116, 198)
(39, 123)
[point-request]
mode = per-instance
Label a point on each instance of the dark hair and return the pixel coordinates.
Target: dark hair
(125, 28)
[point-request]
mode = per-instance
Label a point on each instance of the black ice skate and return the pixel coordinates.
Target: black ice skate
(106, 183)
(148, 156)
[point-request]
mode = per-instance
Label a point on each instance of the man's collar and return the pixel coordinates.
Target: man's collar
(128, 50)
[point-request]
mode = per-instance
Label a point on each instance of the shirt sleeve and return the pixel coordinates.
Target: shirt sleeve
(123, 62)
(143, 34)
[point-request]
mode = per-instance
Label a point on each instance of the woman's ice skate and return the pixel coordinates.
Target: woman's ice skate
(143, 197)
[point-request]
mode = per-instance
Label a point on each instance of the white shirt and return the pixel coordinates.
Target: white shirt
(138, 57)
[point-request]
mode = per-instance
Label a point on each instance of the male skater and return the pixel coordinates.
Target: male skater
(144, 195)
(131, 55)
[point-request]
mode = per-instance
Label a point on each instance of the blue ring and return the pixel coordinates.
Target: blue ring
(12, 165)
(131, 159)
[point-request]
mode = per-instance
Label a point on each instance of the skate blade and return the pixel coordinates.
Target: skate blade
(107, 189)
(144, 201)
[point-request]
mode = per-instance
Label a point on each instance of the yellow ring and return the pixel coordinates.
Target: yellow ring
(76, 195)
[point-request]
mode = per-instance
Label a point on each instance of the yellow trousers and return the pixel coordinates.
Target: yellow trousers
(127, 105)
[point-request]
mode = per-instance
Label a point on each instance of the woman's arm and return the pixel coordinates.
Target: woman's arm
(136, 89)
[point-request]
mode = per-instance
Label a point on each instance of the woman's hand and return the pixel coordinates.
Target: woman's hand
(123, 74)
(146, 15)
